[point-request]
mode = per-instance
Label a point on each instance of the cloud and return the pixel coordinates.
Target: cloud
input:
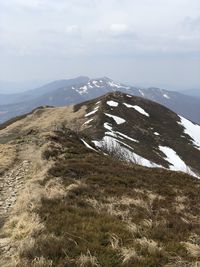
(73, 30)
(32, 4)
(192, 24)
(93, 30)
(119, 28)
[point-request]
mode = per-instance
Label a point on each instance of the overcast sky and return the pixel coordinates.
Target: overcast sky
(147, 42)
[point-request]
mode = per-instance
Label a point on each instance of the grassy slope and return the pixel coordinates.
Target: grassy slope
(113, 214)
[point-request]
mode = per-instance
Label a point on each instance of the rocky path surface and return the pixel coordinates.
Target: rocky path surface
(11, 183)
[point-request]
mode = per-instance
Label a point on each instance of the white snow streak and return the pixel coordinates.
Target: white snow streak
(87, 122)
(140, 91)
(92, 112)
(193, 130)
(127, 137)
(137, 108)
(107, 126)
(117, 119)
(112, 103)
(166, 96)
(177, 164)
(88, 146)
(96, 84)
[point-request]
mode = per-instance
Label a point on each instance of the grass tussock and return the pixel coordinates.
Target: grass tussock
(87, 260)
(7, 156)
(24, 226)
(128, 255)
(193, 249)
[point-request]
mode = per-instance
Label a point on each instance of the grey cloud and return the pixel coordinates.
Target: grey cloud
(74, 34)
(192, 23)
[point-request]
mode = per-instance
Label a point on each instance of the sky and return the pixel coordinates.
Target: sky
(142, 42)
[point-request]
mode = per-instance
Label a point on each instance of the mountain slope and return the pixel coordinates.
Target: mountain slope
(6, 99)
(185, 105)
(144, 128)
(66, 92)
(192, 92)
(146, 132)
(75, 206)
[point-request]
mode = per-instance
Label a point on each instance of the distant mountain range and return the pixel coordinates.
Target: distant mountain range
(73, 91)
(192, 92)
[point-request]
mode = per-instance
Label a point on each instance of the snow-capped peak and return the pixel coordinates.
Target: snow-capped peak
(103, 84)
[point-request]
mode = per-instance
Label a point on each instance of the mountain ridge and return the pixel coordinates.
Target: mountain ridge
(74, 203)
(147, 127)
(83, 88)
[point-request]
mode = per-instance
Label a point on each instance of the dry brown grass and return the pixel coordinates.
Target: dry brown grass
(49, 119)
(118, 206)
(126, 254)
(180, 204)
(129, 254)
(23, 226)
(7, 156)
(37, 262)
(132, 227)
(147, 223)
(114, 241)
(148, 244)
(87, 260)
(54, 189)
(193, 249)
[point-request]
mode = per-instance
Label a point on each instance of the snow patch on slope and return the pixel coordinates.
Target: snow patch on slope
(193, 130)
(177, 164)
(137, 108)
(111, 132)
(140, 91)
(96, 84)
(117, 85)
(87, 122)
(82, 90)
(117, 119)
(113, 145)
(127, 137)
(88, 146)
(92, 112)
(166, 96)
(112, 103)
